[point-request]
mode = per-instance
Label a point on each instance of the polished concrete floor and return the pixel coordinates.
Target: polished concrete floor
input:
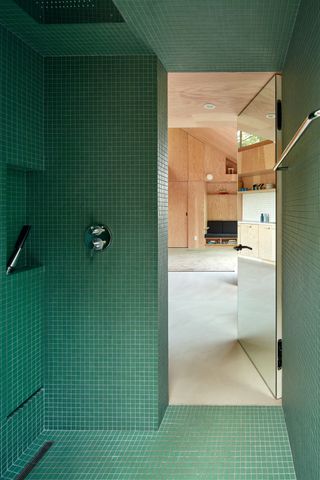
(207, 366)
(208, 259)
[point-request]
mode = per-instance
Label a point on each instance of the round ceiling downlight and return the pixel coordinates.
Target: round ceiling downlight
(271, 116)
(209, 106)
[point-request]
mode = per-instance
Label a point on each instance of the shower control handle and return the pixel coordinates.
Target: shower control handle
(98, 244)
(97, 230)
(97, 238)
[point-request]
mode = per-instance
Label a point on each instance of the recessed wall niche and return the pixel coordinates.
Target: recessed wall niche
(21, 211)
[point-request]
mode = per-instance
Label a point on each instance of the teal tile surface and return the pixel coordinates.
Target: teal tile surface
(209, 443)
(214, 35)
(25, 329)
(301, 251)
(21, 320)
(21, 103)
(103, 313)
(21, 429)
(71, 39)
(162, 239)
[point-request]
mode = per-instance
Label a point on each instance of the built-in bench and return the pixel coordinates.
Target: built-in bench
(221, 232)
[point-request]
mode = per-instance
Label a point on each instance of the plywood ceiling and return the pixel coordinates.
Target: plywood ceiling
(230, 92)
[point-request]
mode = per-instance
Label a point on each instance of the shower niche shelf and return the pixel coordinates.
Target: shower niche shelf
(26, 268)
(22, 204)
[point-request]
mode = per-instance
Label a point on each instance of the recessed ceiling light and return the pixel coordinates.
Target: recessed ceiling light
(270, 116)
(209, 106)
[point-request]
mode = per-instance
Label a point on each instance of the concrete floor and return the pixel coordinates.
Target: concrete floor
(207, 366)
(208, 259)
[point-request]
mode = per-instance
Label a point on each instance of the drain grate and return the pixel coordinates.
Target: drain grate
(71, 11)
(36, 459)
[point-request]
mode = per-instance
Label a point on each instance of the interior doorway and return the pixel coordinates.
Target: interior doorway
(208, 365)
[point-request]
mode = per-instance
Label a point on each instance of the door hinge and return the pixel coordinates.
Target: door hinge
(279, 354)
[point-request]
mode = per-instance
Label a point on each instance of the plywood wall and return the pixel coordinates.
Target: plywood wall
(190, 159)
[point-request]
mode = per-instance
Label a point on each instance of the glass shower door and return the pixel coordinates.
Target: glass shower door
(259, 295)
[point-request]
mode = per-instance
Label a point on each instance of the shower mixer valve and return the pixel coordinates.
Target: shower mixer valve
(97, 238)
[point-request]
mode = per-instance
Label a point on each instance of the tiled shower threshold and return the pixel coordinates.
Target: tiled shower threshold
(193, 442)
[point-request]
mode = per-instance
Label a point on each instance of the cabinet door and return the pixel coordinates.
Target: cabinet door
(195, 159)
(177, 212)
(178, 155)
(249, 236)
(267, 242)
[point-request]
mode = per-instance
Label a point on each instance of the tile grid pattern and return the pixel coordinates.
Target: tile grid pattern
(24, 335)
(162, 239)
(21, 148)
(301, 250)
(102, 311)
(71, 39)
(215, 35)
(209, 443)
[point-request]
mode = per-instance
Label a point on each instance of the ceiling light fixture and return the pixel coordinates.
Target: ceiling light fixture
(209, 106)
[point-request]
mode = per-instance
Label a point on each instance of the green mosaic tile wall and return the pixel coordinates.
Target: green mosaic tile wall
(71, 39)
(207, 443)
(20, 431)
(214, 35)
(301, 262)
(163, 238)
(103, 345)
(21, 103)
(24, 336)
(21, 148)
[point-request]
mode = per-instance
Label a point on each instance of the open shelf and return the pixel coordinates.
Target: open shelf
(222, 194)
(252, 173)
(25, 269)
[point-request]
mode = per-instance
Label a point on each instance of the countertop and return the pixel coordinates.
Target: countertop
(256, 223)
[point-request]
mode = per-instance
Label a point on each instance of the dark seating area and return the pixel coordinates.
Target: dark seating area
(222, 229)
(221, 232)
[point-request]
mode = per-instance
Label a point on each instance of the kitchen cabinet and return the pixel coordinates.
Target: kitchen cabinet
(249, 236)
(267, 242)
(261, 238)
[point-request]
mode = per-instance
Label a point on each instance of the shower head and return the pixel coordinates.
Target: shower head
(71, 11)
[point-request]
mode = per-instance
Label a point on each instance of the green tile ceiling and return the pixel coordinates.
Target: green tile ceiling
(70, 39)
(187, 35)
(214, 35)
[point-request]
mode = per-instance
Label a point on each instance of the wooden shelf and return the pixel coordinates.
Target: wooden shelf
(222, 181)
(264, 190)
(223, 194)
(255, 172)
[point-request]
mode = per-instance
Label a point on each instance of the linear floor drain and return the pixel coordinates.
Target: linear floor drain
(30, 466)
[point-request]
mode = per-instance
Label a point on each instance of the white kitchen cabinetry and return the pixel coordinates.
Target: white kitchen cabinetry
(267, 242)
(261, 238)
(249, 236)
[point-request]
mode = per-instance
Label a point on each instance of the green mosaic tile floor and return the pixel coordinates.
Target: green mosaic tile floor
(216, 443)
